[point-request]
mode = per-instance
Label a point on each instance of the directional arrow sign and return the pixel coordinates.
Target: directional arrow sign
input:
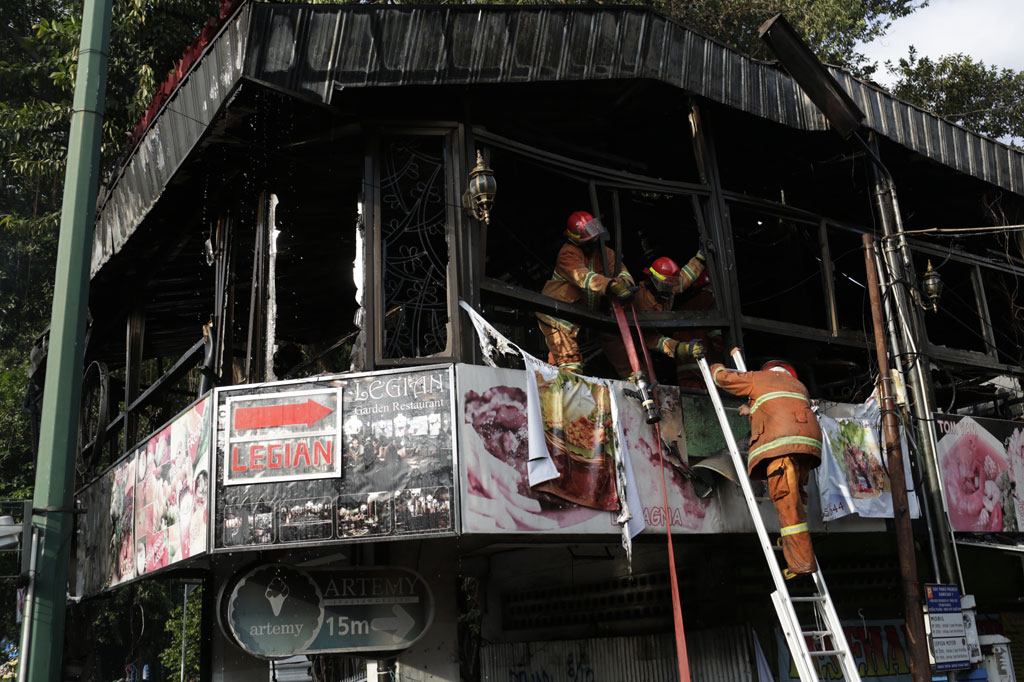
(276, 610)
(399, 626)
(288, 435)
(288, 414)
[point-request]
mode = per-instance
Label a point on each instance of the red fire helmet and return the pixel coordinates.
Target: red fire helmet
(664, 274)
(779, 366)
(583, 228)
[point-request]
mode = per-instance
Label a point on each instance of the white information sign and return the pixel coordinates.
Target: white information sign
(947, 624)
(950, 650)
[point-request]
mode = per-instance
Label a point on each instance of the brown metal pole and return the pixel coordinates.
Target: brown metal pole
(920, 669)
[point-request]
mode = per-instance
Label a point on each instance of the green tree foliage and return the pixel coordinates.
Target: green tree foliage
(38, 56)
(986, 99)
(170, 657)
(832, 28)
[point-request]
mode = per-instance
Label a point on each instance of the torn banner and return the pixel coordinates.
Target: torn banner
(853, 478)
(576, 450)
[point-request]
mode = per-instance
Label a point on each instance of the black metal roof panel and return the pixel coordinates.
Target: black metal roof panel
(165, 145)
(314, 50)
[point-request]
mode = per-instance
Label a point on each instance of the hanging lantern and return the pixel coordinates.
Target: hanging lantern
(478, 199)
(931, 286)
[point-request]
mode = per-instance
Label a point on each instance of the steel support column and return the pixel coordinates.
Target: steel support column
(55, 464)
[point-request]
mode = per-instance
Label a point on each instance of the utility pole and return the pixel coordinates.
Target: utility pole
(919, 666)
(896, 256)
(55, 471)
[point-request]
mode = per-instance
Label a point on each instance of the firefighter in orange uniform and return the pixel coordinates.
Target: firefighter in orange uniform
(785, 444)
(578, 279)
(665, 279)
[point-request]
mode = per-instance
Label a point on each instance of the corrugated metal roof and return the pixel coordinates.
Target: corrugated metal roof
(314, 50)
(175, 131)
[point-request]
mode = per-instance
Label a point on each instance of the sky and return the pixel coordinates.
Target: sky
(991, 31)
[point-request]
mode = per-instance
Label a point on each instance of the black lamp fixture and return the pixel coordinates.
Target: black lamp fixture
(809, 73)
(478, 199)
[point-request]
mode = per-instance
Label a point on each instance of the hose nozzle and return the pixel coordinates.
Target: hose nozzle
(647, 400)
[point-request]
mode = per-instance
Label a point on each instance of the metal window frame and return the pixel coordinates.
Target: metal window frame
(599, 178)
(451, 138)
(990, 358)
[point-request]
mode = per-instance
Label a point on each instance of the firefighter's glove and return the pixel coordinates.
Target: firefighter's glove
(620, 290)
(693, 349)
(700, 256)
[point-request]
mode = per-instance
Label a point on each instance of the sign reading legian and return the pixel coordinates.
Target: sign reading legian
(288, 436)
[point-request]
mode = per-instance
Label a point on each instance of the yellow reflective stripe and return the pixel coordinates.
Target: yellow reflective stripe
(777, 394)
(571, 365)
(663, 344)
(559, 324)
(792, 530)
(588, 279)
(657, 275)
(780, 442)
(715, 375)
(689, 273)
(626, 276)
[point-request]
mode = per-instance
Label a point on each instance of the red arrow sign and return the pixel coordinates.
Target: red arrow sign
(308, 413)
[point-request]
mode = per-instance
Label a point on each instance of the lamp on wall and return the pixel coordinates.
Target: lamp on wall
(931, 288)
(478, 199)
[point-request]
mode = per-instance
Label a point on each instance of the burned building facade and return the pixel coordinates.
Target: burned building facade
(296, 213)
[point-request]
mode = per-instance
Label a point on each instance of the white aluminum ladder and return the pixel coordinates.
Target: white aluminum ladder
(825, 630)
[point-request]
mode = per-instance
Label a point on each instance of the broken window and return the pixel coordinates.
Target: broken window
(1003, 293)
(780, 267)
(958, 322)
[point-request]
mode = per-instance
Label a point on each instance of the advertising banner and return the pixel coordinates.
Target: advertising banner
(337, 458)
(148, 510)
(852, 478)
(879, 648)
(495, 449)
(980, 462)
(172, 491)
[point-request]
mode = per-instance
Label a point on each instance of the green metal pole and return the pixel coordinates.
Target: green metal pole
(55, 465)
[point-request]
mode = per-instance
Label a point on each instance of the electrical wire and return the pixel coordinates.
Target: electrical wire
(994, 229)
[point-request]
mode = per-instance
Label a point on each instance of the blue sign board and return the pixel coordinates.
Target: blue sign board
(942, 598)
(948, 638)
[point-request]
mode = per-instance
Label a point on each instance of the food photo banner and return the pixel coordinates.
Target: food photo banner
(981, 463)
(335, 459)
(149, 510)
(853, 478)
(495, 452)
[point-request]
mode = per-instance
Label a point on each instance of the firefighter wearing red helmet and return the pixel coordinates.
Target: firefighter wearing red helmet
(657, 293)
(578, 279)
(785, 444)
